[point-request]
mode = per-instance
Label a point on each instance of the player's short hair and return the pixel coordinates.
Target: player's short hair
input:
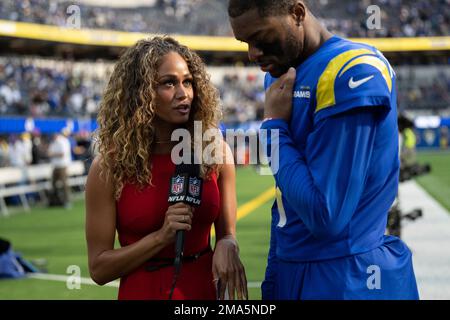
(265, 7)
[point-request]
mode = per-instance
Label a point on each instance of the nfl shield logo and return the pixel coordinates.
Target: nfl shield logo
(194, 186)
(177, 185)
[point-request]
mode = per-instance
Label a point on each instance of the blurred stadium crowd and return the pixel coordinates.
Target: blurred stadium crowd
(399, 18)
(36, 89)
(46, 88)
(42, 88)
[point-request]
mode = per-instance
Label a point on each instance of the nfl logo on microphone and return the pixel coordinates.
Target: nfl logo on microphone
(177, 185)
(194, 186)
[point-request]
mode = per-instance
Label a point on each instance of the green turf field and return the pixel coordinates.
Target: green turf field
(58, 236)
(437, 182)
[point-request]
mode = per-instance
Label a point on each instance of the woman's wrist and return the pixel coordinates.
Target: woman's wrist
(229, 238)
(158, 239)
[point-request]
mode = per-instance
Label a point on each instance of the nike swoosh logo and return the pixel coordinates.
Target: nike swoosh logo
(355, 84)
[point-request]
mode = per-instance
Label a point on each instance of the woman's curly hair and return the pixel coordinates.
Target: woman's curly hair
(125, 136)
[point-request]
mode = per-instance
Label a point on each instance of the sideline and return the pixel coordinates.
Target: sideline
(88, 281)
(429, 240)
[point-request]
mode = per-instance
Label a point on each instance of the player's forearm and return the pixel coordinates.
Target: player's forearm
(290, 171)
(298, 187)
(325, 189)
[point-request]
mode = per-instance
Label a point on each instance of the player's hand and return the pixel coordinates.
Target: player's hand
(278, 104)
(178, 217)
(228, 269)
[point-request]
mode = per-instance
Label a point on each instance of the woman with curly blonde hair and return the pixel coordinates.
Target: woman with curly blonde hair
(157, 87)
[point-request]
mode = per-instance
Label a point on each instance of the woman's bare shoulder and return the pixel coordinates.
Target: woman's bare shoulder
(97, 179)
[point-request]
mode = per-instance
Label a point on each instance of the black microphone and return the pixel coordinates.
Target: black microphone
(186, 187)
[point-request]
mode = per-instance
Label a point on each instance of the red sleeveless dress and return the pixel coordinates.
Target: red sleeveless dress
(142, 212)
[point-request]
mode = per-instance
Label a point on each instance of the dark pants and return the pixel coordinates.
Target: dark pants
(61, 190)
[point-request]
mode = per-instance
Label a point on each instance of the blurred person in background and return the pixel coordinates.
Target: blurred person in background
(443, 141)
(60, 155)
(83, 150)
(159, 86)
(28, 147)
(38, 152)
(18, 152)
(4, 152)
(19, 157)
(407, 141)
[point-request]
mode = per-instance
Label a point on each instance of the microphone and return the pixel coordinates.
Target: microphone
(185, 187)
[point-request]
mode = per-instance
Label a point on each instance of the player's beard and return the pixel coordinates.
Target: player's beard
(293, 50)
(289, 55)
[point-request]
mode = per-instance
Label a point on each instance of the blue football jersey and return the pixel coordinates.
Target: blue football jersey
(338, 165)
(343, 133)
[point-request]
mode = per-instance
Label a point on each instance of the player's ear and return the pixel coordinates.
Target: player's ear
(298, 12)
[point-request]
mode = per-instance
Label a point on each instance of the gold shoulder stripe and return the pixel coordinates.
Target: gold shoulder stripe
(375, 62)
(325, 87)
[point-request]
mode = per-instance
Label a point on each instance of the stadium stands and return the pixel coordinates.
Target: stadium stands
(424, 89)
(195, 17)
(399, 18)
(36, 87)
(42, 88)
